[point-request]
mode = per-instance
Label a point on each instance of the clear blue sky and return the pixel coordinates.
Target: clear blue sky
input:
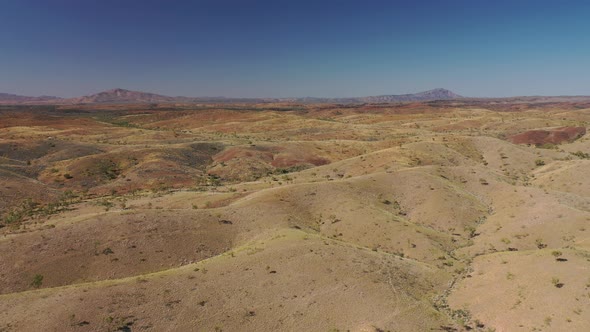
(249, 48)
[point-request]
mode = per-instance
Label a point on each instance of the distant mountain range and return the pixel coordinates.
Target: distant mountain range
(121, 96)
(6, 98)
(430, 95)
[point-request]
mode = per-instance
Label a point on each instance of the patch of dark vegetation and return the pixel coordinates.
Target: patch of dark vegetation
(37, 281)
(540, 244)
(125, 328)
(107, 169)
(582, 155)
(29, 152)
(557, 283)
(29, 209)
(292, 169)
(197, 155)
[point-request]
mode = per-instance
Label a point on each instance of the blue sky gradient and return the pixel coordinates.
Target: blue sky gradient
(295, 48)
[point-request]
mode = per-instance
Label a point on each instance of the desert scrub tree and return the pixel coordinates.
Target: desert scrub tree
(463, 316)
(581, 155)
(555, 281)
(107, 169)
(540, 244)
(471, 231)
(557, 254)
(107, 204)
(37, 281)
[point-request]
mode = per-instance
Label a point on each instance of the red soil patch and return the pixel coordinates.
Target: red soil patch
(553, 136)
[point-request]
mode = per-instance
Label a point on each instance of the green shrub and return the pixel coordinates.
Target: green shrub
(581, 154)
(37, 281)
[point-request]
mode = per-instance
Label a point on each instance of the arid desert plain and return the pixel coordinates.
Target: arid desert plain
(421, 216)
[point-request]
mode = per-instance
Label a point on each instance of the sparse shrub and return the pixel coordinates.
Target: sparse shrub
(548, 320)
(540, 244)
(581, 154)
(461, 315)
(37, 281)
(448, 263)
(555, 281)
(539, 162)
(398, 252)
(108, 169)
(471, 231)
(106, 203)
(13, 217)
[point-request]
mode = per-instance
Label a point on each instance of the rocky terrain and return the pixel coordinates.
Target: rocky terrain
(457, 215)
